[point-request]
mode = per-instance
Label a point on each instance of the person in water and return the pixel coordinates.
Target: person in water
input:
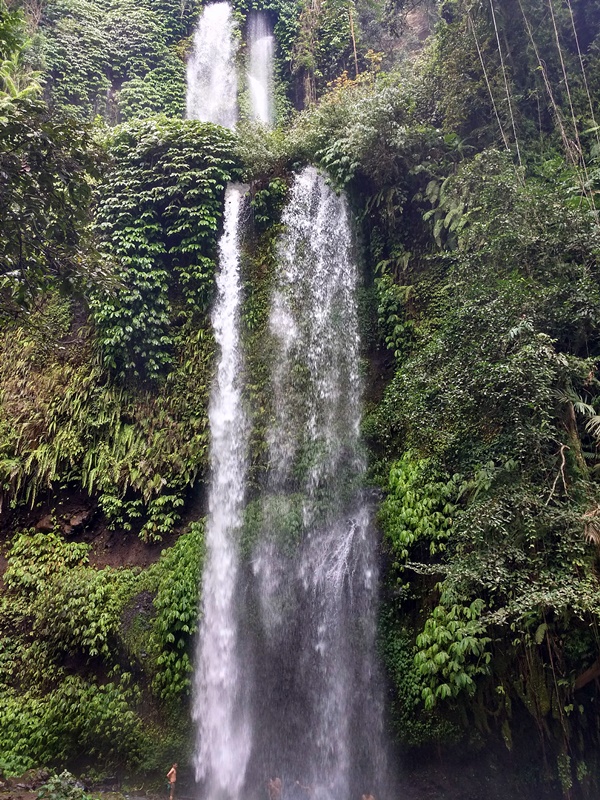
(172, 780)
(274, 787)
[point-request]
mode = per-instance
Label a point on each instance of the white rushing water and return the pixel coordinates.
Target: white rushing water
(211, 73)
(286, 681)
(314, 563)
(219, 706)
(260, 68)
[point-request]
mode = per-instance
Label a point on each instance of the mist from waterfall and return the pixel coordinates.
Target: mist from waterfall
(211, 70)
(220, 707)
(260, 68)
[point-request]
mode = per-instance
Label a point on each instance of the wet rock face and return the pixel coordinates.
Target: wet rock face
(77, 522)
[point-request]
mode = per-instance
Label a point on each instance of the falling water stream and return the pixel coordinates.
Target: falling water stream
(260, 68)
(211, 75)
(220, 707)
(314, 562)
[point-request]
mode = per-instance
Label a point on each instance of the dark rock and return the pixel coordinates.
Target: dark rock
(45, 524)
(77, 522)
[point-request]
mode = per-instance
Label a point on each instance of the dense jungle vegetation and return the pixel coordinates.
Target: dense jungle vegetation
(472, 161)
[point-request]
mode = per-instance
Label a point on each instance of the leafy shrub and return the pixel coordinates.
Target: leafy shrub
(78, 718)
(72, 607)
(97, 719)
(75, 51)
(57, 613)
(47, 165)
(80, 610)
(62, 421)
(396, 329)
(161, 90)
(62, 787)
(452, 651)
(267, 204)
(35, 559)
(496, 394)
(22, 733)
(177, 604)
(117, 59)
(412, 724)
(418, 507)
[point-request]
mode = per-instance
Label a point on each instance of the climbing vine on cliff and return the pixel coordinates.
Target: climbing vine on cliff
(158, 216)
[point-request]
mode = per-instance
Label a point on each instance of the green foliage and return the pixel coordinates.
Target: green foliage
(267, 204)
(498, 391)
(35, 559)
(161, 90)
(77, 718)
(452, 651)
(99, 718)
(80, 611)
(323, 47)
(418, 507)
(413, 725)
(63, 421)
(72, 607)
(366, 134)
(67, 657)
(158, 214)
(259, 265)
(176, 604)
(46, 166)
(11, 32)
(497, 78)
(395, 325)
(75, 50)
(262, 152)
(493, 360)
(116, 59)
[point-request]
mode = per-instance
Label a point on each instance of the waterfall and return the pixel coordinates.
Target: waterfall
(260, 68)
(314, 562)
(211, 75)
(286, 682)
(219, 706)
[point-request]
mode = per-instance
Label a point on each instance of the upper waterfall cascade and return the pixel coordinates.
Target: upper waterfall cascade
(211, 73)
(260, 68)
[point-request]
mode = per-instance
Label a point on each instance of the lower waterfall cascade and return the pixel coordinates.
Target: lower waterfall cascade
(287, 679)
